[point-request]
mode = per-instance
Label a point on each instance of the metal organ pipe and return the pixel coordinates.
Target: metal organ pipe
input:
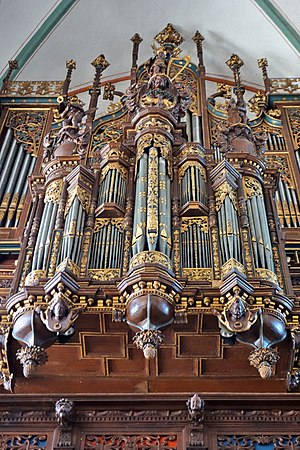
(139, 221)
(6, 146)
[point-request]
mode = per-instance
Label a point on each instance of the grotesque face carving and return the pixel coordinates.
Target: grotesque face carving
(63, 412)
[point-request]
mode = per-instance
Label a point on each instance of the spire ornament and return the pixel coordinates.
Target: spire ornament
(198, 39)
(169, 35)
(136, 40)
(235, 63)
(263, 64)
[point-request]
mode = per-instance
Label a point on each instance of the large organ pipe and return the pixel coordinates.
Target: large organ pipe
(140, 206)
(265, 234)
(10, 185)
(49, 234)
(5, 147)
(7, 167)
(21, 180)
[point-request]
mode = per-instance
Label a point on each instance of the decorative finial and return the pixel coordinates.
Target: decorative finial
(263, 64)
(198, 39)
(169, 36)
(71, 64)
(136, 39)
(235, 63)
(100, 63)
(148, 341)
(264, 359)
(13, 64)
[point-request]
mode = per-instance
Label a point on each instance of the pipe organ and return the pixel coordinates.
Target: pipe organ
(172, 221)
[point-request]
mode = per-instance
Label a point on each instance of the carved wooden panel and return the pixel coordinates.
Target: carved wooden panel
(151, 442)
(104, 359)
(261, 442)
(23, 442)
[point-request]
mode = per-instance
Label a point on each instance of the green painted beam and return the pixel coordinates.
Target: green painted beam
(41, 34)
(280, 21)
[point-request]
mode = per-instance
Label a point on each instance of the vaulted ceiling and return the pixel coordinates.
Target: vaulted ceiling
(42, 35)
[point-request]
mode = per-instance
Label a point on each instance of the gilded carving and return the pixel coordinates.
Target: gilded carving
(176, 252)
(232, 264)
(152, 197)
(186, 222)
(67, 263)
(53, 191)
(153, 122)
(284, 85)
(105, 134)
(294, 121)
(222, 191)
(188, 164)
(85, 252)
(28, 128)
(83, 196)
(190, 149)
(252, 187)
(266, 275)
(111, 166)
(199, 274)
(169, 35)
(215, 250)
(54, 254)
(280, 162)
(159, 142)
(115, 442)
(151, 257)
(34, 277)
(103, 274)
(33, 88)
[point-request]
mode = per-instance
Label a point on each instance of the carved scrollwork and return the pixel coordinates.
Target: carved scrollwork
(252, 187)
(83, 196)
(151, 257)
(104, 274)
(53, 191)
(158, 141)
(113, 442)
(23, 441)
(253, 441)
(28, 128)
(221, 192)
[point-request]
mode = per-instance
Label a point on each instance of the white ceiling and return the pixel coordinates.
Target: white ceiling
(92, 27)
